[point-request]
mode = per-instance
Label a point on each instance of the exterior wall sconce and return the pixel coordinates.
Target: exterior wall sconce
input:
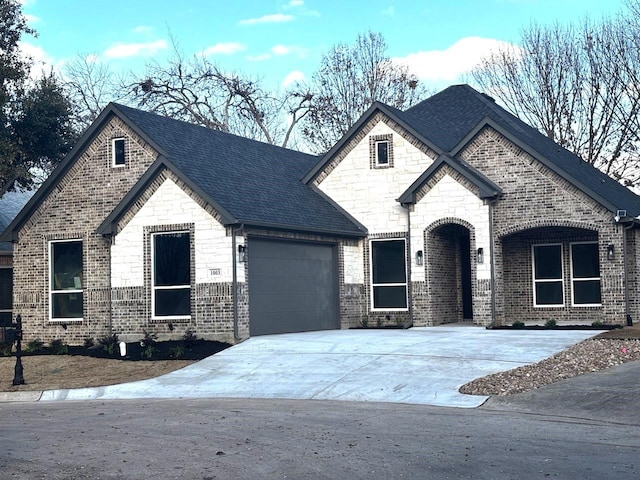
(610, 252)
(480, 255)
(419, 257)
(242, 253)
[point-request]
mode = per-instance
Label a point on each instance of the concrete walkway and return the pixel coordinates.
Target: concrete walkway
(419, 365)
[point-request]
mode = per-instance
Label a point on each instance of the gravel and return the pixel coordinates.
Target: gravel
(588, 356)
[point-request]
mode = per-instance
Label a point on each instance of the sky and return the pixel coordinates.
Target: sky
(282, 41)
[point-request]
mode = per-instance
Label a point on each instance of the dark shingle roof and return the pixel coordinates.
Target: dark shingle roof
(10, 204)
(256, 183)
(449, 116)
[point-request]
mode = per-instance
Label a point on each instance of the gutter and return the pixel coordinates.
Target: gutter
(234, 262)
(409, 264)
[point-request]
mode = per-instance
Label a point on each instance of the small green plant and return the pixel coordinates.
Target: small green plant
(517, 324)
(88, 342)
(148, 343)
(596, 324)
(551, 323)
(34, 345)
(177, 351)
(379, 322)
(109, 343)
(364, 322)
(5, 349)
(58, 347)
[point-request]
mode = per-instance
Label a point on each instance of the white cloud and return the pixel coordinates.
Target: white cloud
(31, 19)
(450, 64)
(259, 58)
(224, 48)
(124, 50)
(391, 11)
(294, 4)
(142, 29)
(293, 77)
(280, 50)
(274, 18)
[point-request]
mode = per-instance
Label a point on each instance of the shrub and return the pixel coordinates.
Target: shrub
(517, 324)
(189, 338)
(364, 322)
(59, 347)
(88, 342)
(34, 345)
(550, 323)
(148, 345)
(109, 343)
(597, 323)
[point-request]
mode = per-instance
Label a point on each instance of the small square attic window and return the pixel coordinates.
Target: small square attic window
(118, 152)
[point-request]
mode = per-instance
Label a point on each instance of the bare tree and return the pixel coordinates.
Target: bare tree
(578, 85)
(91, 85)
(349, 80)
(197, 91)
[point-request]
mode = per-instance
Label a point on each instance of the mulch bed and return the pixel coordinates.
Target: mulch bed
(137, 351)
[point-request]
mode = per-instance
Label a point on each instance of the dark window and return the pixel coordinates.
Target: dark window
(66, 280)
(547, 275)
(6, 296)
(389, 274)
(118, 151)
(382, 153)
(585, 273)
(171, 275)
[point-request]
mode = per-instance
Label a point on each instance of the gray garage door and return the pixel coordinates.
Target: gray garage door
(293, 286)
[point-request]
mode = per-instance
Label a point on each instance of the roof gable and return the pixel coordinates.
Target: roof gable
(458, 113)
(486, 188)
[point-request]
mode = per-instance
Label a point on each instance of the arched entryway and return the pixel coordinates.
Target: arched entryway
(449, 272)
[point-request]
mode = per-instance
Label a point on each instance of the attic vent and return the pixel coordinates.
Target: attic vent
(491, 99)
(621, 213)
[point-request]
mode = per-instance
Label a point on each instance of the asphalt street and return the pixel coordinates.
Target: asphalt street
(206, 439)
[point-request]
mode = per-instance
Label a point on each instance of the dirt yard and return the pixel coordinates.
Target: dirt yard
(50, 372)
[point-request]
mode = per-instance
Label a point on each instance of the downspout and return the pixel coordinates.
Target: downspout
(626, 274)
(234, 262)
(492, 283)
(410, 262)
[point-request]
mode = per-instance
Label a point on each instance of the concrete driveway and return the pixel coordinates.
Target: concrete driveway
(419, 365)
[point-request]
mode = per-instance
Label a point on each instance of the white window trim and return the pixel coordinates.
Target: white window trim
(113, 153)
(578, 305)
(547, 280)
(171, 287)
(375, 145)
(52, 292)
(372, 285)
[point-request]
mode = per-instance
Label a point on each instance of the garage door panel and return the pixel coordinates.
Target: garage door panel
(292, 287)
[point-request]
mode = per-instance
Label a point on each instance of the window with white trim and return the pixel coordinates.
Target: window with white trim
(585, 274)
(117, 149)
(65, 280)
(548, 278)
(6, 296)
(171, 276)
(388, 274)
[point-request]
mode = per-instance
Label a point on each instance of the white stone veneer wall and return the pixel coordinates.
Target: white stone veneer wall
(171, 205)
(369, 194)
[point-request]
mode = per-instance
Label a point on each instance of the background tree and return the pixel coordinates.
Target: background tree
(197, 91)
(578, 84)
(35, 115)
(90, 85)
(349, 80)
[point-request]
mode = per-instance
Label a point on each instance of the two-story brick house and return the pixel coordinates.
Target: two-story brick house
(453, 210)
